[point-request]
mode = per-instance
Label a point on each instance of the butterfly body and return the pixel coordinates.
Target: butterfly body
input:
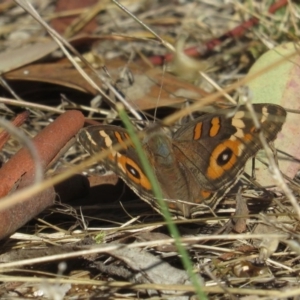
(195, 167)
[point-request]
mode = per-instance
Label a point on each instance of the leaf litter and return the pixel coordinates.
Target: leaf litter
(101, 241)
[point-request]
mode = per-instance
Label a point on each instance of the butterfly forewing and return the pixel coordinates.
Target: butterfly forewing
(123, 160)
(225, 142)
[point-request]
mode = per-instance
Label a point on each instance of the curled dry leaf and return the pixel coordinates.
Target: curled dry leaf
(60, 72)
(13, 59)
(16, 58)
(150, 88)
(241, 210)
(280, 85)
(61, 24)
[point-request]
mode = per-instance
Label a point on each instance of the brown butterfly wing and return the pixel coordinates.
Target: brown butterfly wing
(216, 147)
(124, 161)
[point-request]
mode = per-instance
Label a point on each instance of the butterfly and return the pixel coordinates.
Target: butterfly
(197, 165)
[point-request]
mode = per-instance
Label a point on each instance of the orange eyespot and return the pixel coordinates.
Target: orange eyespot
(133, 171)
(223, 158)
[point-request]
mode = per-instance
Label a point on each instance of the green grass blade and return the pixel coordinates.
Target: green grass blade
(164, 208)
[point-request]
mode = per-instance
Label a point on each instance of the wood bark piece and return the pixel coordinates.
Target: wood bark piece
(16, 216)
(19, 171)
(48, 142)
